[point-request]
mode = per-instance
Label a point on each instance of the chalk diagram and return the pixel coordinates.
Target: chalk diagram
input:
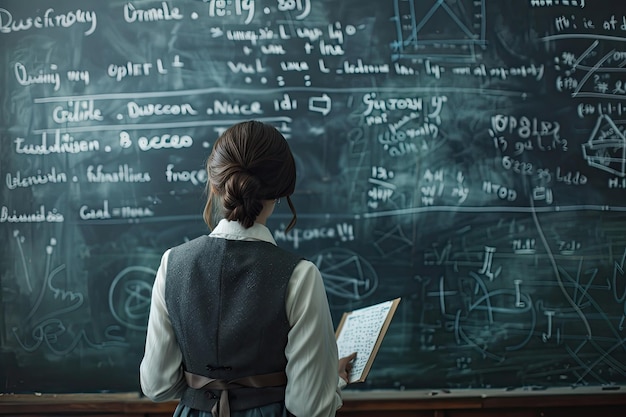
(481, 317)
(392, 242)
(48, 324)
(606, 148)
(449, 29)
(502, 317)
(578, 324)
(129, 296)
(597, 73)
(346, 275)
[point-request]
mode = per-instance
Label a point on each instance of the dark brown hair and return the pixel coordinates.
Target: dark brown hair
(250, 162)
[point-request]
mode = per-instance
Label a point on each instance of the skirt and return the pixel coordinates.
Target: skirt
(269, 410)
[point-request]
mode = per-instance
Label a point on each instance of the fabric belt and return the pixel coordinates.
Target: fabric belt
(196, 381)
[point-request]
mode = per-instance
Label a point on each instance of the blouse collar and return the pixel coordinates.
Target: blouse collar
(233, 230)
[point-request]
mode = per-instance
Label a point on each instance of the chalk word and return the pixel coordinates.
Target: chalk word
(389, 104)
(343, 232)
(164, 141)
(155, 14)
(525, 127)
(226, 107)
(77, 111)
(25, 78)
(63, 143)
(40, 216)
(48, 20)
(18, 180)
(136, 110)
(363, 68)
(570, 178)
(196, 177)
(134, 69)
(241, 67)
(124, 173)
(501, 191)
(250, 35)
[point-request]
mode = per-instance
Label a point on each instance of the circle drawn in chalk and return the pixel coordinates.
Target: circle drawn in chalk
(129, 296)
(346, 274)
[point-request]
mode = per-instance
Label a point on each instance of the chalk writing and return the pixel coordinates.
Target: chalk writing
(17, 180)
(41, 215)
(133, 14)
(124, 173)
(296, 237)
(165, 141)
(77, 111)
(466, 155)
(62, 143)
(137, 69)
(135, 110)
(49, 19)
(196, 177)
(26, 78)
(104, 212)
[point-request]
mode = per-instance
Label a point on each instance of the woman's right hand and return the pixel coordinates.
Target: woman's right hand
(345, 367)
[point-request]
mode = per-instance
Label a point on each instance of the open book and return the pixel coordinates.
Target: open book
(362, 331)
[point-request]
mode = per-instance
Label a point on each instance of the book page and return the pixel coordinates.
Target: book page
(362, 331)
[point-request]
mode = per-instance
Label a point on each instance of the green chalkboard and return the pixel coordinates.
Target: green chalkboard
(468, 156)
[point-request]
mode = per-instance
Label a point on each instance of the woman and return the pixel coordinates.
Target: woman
(237, 323)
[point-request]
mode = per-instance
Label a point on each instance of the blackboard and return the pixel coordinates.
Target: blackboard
(465, 155)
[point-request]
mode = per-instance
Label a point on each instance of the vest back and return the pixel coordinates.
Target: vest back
(226, 302)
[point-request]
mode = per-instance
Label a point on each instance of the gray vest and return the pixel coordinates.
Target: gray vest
(226, 302)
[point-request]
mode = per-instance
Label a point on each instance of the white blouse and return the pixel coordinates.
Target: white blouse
(313, 383)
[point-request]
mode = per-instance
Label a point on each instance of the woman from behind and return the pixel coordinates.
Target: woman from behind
(239, 326)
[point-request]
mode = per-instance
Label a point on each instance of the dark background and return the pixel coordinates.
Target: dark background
(467, 156)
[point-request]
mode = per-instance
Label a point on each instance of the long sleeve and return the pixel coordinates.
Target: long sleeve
(313, 387)
(161, 374)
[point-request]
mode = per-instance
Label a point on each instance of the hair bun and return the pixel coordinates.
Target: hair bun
(241, 197)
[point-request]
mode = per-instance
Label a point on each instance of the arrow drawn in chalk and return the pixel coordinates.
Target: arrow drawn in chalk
(320, 104)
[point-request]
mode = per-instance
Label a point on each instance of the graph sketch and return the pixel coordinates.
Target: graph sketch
(453, 30)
